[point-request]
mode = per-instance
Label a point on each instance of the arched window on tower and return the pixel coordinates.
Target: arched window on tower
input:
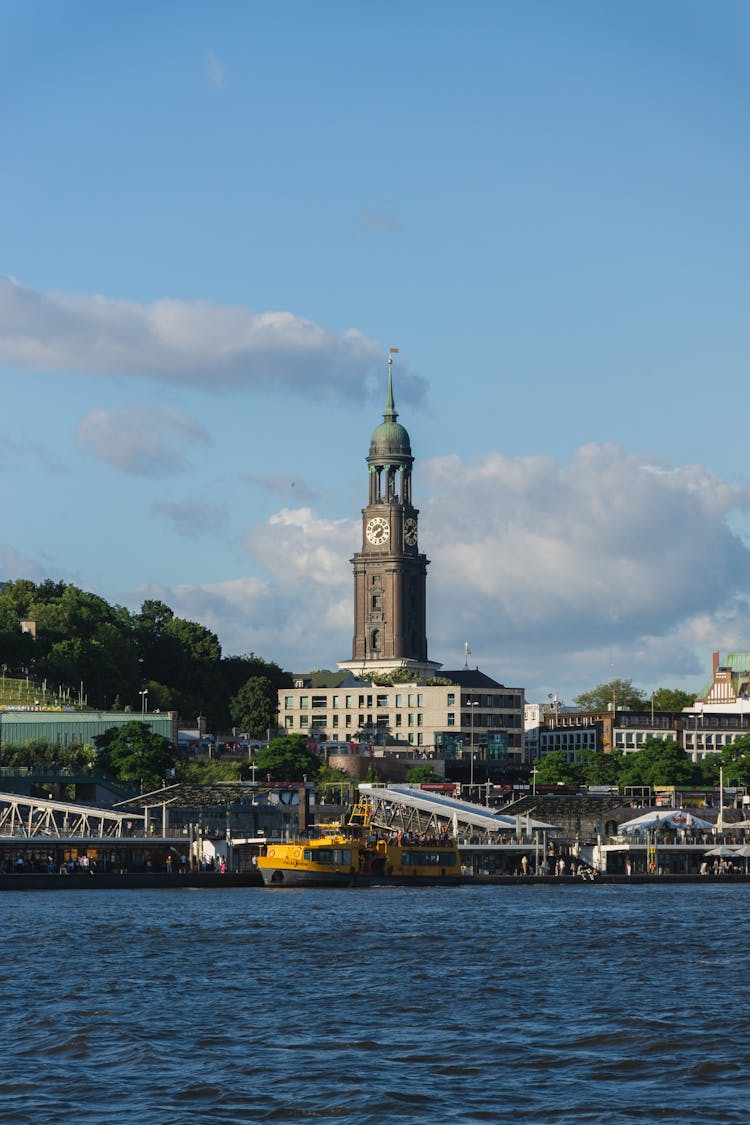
(375, 640)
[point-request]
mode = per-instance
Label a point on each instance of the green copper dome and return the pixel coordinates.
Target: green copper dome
(389, 438)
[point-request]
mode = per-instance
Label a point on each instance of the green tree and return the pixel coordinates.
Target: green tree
(210, 772)
(620, 692)
(50, 755)
(555, 769)
(286, 759)
(253, 708)
(16, 647)
(135, 754)
(660, 761)
(420, 773)
(672, 699)
(596, 768)
(734, 760)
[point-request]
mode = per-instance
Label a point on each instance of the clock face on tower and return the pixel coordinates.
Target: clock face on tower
(377, 530)
(410, 532)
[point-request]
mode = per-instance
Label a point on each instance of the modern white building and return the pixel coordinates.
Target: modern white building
(470, 714)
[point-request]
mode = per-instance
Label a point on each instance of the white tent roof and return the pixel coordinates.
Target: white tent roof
(666, 818)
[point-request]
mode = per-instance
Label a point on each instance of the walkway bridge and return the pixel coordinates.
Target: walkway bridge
(36, 817)
(404, 808)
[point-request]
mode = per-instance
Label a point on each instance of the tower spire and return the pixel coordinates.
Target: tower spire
(390, 410)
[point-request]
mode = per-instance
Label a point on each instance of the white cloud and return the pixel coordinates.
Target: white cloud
(14, 565)
(370, 220)
(190, 344)
(613, 565)
(560, 577)
(298, 547)
(192, 518)
(301, 616)
(279, 484)
(215, 70)
(139, 440)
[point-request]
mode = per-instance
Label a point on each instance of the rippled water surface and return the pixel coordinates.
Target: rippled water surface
(486, 1004)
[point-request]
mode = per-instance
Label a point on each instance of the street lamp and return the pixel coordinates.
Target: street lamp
(144, 699)
(471, 703)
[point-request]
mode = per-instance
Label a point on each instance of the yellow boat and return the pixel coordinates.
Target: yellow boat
(354, 854)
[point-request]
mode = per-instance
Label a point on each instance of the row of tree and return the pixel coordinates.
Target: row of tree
(660, 761)
(116, 655)
(618, 694)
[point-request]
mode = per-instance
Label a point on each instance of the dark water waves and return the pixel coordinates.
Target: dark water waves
(545, 1004)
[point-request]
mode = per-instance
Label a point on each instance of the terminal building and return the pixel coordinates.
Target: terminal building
(66, 727)
(389, 699)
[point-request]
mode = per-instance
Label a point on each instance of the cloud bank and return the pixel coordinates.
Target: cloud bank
(189, 344)
(560, 577)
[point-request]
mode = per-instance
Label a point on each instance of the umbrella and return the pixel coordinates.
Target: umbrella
(724, 852)
(744, 851)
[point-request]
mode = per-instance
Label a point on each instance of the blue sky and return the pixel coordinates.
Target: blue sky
(215, 220)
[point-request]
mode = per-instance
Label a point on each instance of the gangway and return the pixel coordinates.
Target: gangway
(33, 817)
(391, 802)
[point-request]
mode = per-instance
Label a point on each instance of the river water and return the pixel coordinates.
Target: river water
(473, 1004)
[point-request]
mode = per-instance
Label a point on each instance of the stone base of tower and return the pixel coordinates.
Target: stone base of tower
(363, 669)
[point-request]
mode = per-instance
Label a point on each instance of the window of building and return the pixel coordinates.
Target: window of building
(289, 721)
(335, 701)
(420, 700)
(361, 720)
(399, 717)
(304, 721)
(304, 701)
(348, 722)
(335, 720)
(382, 701)
(319, 702)
(420, 739)
(349, 699)
(375, 601)
(419, 720)
(451, 719)
(410, 720)
(451, 701)
(399, 700)
(319, 722)
(288, 702)
(411, 700)
(411, 739)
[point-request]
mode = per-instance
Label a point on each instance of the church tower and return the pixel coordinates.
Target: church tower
(390, 575)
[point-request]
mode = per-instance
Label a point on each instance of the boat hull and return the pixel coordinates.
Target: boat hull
(285, 877)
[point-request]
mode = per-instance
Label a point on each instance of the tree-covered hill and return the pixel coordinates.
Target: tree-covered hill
(116, 655)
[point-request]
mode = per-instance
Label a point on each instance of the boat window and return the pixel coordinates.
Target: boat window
(428, 859)
(328, 855)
